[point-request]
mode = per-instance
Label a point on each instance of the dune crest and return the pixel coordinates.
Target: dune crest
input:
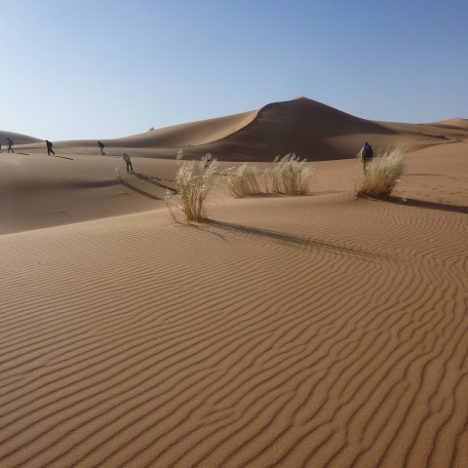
(18, 138)
(309, 128)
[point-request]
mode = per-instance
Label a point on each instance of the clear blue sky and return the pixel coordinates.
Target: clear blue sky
(111, 68)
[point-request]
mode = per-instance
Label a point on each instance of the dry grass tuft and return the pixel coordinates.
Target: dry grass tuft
(289, 176)
(193, 183)
(243, 182)
(382, 174)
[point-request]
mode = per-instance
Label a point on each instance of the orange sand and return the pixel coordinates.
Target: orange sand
(289, 331)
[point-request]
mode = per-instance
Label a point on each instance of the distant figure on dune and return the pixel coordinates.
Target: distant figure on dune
(208, 160)
(367, 154)
(49, 148)
(10, 144)
(126, 158)
(101, 147)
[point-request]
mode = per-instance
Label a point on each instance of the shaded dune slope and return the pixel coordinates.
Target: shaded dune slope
(321, 345)
(306, 127)
(310, 129)
(319, 132)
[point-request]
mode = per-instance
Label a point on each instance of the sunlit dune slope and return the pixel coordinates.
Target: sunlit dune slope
(17, 138)
(310, 129)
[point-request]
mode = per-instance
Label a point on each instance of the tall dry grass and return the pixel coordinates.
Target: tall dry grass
(244, 182)
(194, 180)
(382, 174)
(289, 175)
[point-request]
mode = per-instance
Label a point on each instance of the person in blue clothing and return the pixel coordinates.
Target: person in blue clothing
(367, 153)
(49, 148)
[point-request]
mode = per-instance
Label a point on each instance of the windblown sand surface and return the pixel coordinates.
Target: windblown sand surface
(288, 331)
(317, 330)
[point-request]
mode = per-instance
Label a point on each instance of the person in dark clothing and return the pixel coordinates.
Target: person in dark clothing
(367, 153)
(126, 158)
(10, 144)
(101, 147)
(208, 160)
(49, 148)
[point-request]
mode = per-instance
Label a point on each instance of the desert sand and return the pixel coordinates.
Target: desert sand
(320, 330)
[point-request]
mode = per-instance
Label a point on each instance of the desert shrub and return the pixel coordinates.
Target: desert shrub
(193, 183)
(289, 175)
(243, 182)
(382, 174)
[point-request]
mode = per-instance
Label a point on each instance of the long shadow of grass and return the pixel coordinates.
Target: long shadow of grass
(295, 240)
(427, 204)
(419, 203)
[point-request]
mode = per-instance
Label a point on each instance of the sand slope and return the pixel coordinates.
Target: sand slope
(316, 331)
(289, 331)
(38, 191)
(311, 129)
(17, 138)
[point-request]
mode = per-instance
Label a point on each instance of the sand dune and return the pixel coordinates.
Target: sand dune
(17, 138)
(316, 331)
(309, 128)
(288, 331)
(456, 122)
(38, 191)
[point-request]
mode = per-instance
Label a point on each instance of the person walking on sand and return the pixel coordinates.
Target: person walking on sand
(126, 158)
(367, 153)
(101, 147)
(10, 145)
(208, 160)
(49, 148)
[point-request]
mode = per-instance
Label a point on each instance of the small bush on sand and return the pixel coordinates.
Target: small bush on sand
(193, 183)
(382, 174)
(244, 182)
(289, 175)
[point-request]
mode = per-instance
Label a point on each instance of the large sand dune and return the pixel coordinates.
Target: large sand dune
(289, 331)
(310, 129)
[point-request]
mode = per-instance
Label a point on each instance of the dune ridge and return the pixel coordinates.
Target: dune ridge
(309, 128)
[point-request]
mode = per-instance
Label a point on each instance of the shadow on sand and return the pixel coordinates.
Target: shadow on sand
(419, 203)
(63, 157)
(154, 181)
(138, 190)
(295, 240)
